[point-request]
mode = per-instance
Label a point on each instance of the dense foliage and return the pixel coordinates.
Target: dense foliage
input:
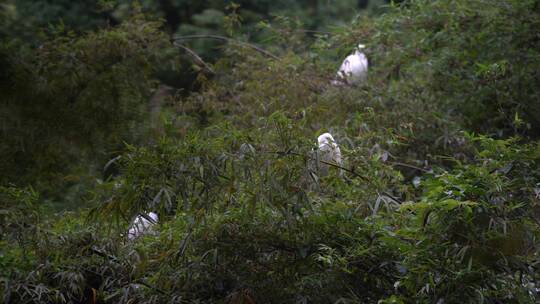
(437, 201)
(73, 95)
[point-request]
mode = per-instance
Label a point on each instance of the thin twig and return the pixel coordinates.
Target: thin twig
(223, 38)
(339, 167)
(195, 56)
(101, 253)
(361, 177)
(313, 32)
(152, 287)
(408, 166)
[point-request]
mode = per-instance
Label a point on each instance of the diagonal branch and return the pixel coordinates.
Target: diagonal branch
(351, 171)
(409, 166)
(223, 38)
(197, 58)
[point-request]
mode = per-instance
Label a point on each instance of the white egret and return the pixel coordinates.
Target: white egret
(354, 68)
(142, 224)
(329, 151)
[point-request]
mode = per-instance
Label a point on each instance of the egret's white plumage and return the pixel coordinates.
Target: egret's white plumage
(329, 151)
(142, 224)
(354, 68)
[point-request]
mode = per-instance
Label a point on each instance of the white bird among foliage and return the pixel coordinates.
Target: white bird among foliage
(329, 151)
(142, 224)
(354, 68)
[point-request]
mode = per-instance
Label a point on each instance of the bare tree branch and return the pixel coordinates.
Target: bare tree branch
(223, 38)
(197, 58)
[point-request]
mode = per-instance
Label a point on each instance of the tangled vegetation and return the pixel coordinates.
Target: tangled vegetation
(437, 199)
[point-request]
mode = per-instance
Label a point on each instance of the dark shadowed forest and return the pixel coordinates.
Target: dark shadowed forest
(270, 151)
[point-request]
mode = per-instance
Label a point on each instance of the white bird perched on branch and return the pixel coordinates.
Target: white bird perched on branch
(142, 224)
(354, 68)
(329, 151)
